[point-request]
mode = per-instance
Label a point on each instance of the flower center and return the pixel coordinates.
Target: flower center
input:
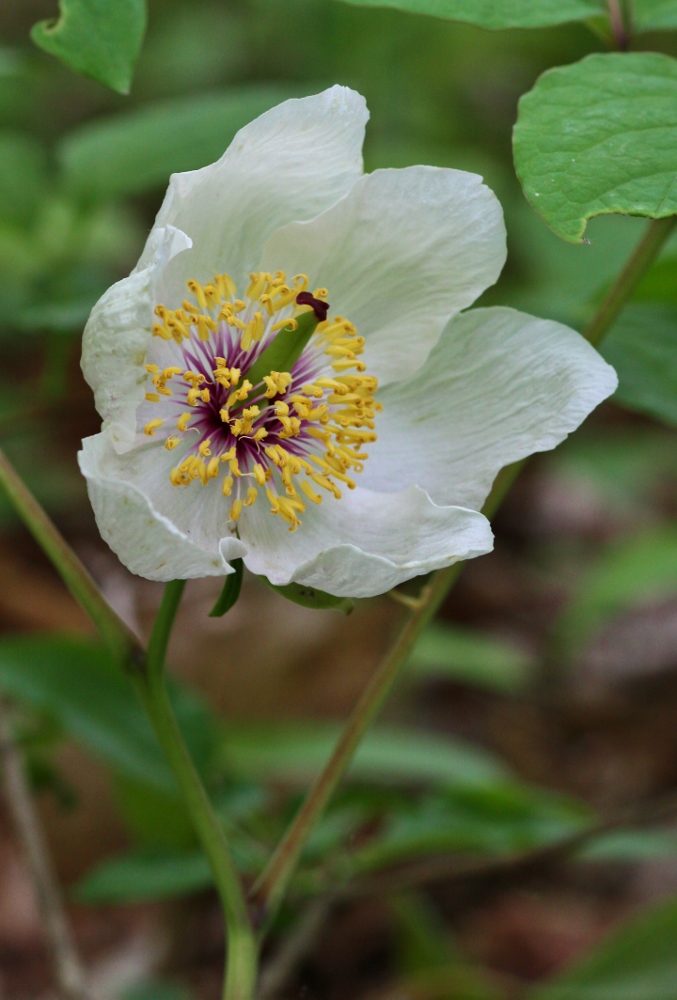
(287, 433)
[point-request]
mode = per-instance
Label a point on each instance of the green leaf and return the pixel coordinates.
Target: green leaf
(98, 38)
(470, 657)
(137, 151)
(145, 875)
(600, 137)
(232, 585)
(77, 684)
(296, 752)
(311, 597)
(632, 845)
(493, 14)
(652, 15)
(642, 568)
(642, 347)
(637, 962)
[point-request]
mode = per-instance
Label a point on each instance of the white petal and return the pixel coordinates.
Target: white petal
(363, 544)
(145, 540)
(290, 163)
(400, 254)
(499, 386)
(117, 335)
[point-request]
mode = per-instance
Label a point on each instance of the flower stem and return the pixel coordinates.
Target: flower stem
(119, 639)
(241, 967)
(639, 262)
(272, 883)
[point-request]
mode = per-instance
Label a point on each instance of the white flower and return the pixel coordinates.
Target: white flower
(366, 461)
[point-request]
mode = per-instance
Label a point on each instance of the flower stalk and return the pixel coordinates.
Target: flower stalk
(241, 962)
(271, 885)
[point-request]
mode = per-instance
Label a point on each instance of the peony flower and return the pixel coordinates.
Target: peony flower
(288, 377)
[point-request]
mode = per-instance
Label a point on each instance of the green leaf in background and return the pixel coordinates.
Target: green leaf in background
(637, 962)
(499, 13)
(156, 989)
(296, 751)
(632, 846)
(459, 654)
(137, 151)
(642, 347)
(600, 137)
(652, 15)
(23, 176)
(145, 875)
(77, 684)
(639, 569)
(98, 38)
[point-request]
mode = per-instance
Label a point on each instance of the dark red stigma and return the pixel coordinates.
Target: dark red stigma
(320, 308)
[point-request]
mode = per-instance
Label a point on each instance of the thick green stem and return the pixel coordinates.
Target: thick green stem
(272, 883)
(241, 965)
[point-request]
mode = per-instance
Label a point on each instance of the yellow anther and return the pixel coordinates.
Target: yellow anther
(196, 288)
(252, 494)
(213, 468)
(212, 296)
(258, 284)
(192, 396)
(152, 426)
(228, 455)
(224, 414)
(171, 442)
(205, 326)
(260, 434)
(193, 378)
(227, 486)
(204, 395)
(291, 323)
(259, 474)
(152, 369)
(310, 389)
(160, 331)
(182, 422)
(171, 372)
(321, 293)
(281, 408)
(341, 366)
(236, 510)
(203, 448)
(325, 483)
(152, 397)
(225, 286)
(309, 491)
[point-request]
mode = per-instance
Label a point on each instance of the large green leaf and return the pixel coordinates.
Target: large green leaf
(296, 752)
(468, 656)
(145, 875)
(638, 962)
(642, 347)
(648, 15)
(23, 176)
(137, 151)
(600, 137)
(99, 38)
(499, 13)
(77, 684)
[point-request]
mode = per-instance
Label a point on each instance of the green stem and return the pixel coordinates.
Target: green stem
(241, 966)
(273, 881)
(121, 642)
(641, 259)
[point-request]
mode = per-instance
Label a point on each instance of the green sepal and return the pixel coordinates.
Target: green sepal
(285, 350)
(311, 597)
(231, 590)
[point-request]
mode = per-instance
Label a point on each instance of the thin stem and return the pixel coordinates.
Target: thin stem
(618, 28)
(162, 627)
(641, 259)
(272, 883)
(241, 964)
(70, 975)
(119, 639)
